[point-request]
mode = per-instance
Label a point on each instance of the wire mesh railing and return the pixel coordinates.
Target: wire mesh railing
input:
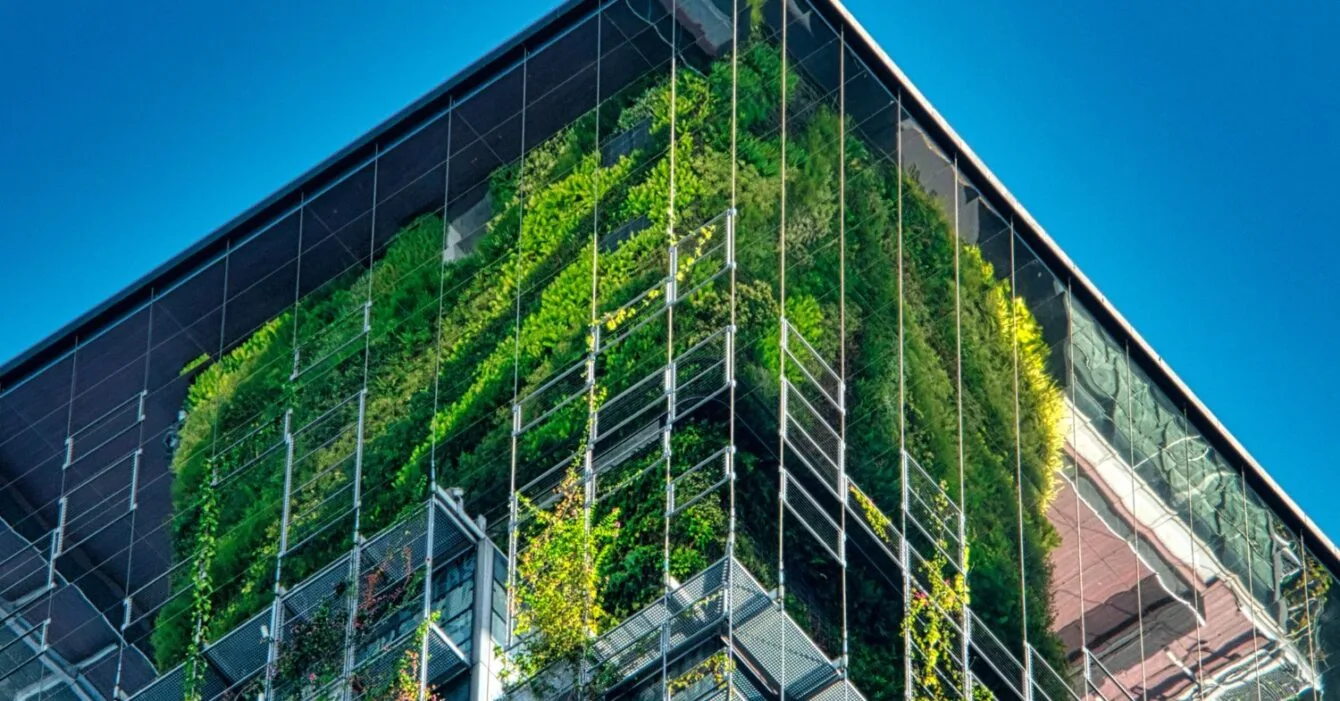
(403, 566)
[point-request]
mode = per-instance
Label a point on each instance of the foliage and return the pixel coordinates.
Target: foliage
(449, 345)
(879, 523)
(405, 685)
(558, 603)
(942, 595)
(716, 667)
(194, 364)
(312, 652)
(202, 588)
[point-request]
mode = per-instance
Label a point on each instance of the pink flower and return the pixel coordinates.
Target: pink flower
(311, 677)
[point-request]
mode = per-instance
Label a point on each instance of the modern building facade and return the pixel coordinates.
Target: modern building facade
(675, 349)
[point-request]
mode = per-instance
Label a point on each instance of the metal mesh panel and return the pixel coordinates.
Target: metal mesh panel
(642, 317)
(444, 661)
(561, 390)
(812, 365)
(448, 537)
(168, 687)
(700, 373)
(701, 255)
(317, 590)
(647, 393)
(988, 650)
(714, 470)
(812, 440)
(397, 551)
(771, 637)
(813, 518)
(635, 444)
(244, 650)
(373, 678)
(1047, 682)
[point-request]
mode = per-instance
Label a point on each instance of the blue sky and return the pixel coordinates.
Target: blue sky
(1178, 152)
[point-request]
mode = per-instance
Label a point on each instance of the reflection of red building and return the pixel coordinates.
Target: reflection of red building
(1157, 622)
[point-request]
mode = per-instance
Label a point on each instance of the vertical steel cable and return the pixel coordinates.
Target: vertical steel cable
(58, 533)
(731, 234)
(516, 362)
(781, 363)
(297, 279)
(842, 343)
(1134, 543)
(1249, 594)
(356, 560)
(213, 454)
(593, 350)
(134, 506)
(1307, 611)
(1191, 533)
(1074, 441)
(962, 525)
(671, 292)
(441, 292)
(903, 550)
(1019, 468)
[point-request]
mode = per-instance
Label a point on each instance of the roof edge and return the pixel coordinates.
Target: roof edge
(123, 303)
(1161, 372)
(133, 296)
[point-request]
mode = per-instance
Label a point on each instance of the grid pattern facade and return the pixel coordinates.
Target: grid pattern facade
(678, 350)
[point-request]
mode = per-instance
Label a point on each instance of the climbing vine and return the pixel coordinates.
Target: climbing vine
(940, 599)
(453, 344)
(202, 587)
(557, 591)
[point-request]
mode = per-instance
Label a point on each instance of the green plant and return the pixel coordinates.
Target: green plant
(942, 594)
(558, 583)
(716, 667)
(202, 588)
(312, 652)
(449, 346)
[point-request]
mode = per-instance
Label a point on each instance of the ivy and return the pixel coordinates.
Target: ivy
(443, 397)
(558, 583)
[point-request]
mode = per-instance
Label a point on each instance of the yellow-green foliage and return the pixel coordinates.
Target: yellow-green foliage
(441, 371)
(558, 579)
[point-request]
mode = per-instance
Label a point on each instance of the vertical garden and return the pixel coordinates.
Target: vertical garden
(429, 357)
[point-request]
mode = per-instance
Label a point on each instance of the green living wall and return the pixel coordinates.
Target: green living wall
(438, 363)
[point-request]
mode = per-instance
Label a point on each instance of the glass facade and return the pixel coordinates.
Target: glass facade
(678, 350)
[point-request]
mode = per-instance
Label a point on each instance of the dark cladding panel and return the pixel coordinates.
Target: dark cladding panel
(411, 180)
(111, 353)
(407, 161)
(337, 231)
(32, 455)
(493, 117)
(474, 158)
(561, 81)
(871, 108)
(187, 322)
(812, 51)
(262, 275)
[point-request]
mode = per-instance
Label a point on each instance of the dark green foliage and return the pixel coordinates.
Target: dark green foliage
(440, 375)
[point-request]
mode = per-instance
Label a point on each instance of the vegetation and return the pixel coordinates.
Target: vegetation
(444, 347)
(559, 609)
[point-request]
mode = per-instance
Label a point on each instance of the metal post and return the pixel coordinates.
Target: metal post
(356, 558)
(427, 614)
(276, 608)
(482, 678)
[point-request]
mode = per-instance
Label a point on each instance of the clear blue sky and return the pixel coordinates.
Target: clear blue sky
(1182, 153)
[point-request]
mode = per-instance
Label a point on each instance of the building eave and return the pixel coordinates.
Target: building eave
(142, 291)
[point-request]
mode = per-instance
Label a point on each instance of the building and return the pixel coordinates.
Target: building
(552, 386)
